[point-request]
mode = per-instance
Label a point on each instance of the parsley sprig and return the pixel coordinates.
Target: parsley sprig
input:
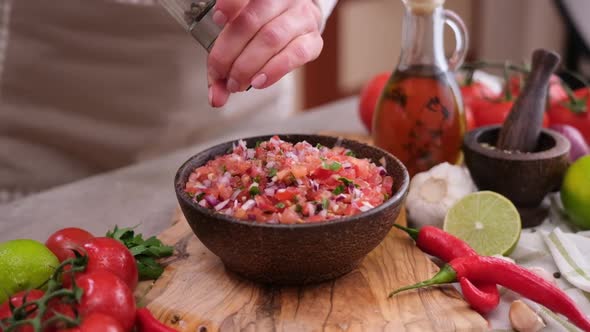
(145, 251)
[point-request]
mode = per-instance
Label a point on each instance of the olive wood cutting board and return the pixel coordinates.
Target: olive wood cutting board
(196, 293)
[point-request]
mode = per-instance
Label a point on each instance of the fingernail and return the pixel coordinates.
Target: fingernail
(258, 81)
(211, 96)
(219, 18)
(233, 85)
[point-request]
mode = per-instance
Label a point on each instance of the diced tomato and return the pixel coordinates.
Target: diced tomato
(289, 216)
(286, 194)
(264, 203)
(299, 171)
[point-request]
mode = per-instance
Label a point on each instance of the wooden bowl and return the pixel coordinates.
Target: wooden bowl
(300, 253)
(524, 178)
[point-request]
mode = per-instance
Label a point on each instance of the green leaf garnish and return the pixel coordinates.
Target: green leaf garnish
(272, 172)
(298, 208)
(350, 153)
(280, 205)
(200, 197)
(145, 251)
(325, 203)
(333, 166)
(338, 190)
(254, 190)
(347, 182)
(258, 143)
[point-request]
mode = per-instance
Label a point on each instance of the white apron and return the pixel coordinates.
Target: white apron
(91, 85)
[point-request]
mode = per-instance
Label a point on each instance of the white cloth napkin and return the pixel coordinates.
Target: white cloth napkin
(555, 247)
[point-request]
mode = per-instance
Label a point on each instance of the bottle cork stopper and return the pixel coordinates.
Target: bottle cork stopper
(421, 7)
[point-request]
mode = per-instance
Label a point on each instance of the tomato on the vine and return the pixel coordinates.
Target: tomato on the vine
(576, 115)
(106, 293)
(64, 240)
(108, 254)
(97, 322)
(495, 112)
(369, 97)
(555, 94)
(55, 306)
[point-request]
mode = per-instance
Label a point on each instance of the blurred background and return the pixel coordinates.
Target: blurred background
(362, 38)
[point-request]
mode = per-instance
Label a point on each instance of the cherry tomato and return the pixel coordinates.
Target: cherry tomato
(111, 255)
(64, 240)
(17, 301)
(106, 293)
(369, 96)
(97, 322)
(493, 112)
(32, 295)
(476, 91)
(562, 113)
(469, 118)
(555, 94)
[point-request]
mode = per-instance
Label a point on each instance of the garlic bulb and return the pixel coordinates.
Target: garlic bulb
(432, 193)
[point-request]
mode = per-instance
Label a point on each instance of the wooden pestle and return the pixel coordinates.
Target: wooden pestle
(522, 127)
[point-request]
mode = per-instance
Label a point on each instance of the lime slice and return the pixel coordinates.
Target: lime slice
(575, 192)
(487, 221)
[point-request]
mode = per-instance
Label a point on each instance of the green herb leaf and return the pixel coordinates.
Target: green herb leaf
(254, 190)
(333, 166)
(385, 196)
(258, 143)
(298, 208)
(257, 179)
(325, 203)
(223, 169)
(280, 205)
(149, 268)
(272, 172)
(200, 197)
(144, 251)
(318, 146)
(338, 190)
(347, 182)
(350, 153)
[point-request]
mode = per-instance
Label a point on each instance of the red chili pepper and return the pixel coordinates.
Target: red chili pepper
(146, 322)
(436, 242)
(512, 276)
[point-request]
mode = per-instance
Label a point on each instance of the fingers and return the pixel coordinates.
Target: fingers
(269, 40)
(238, 32)
(227, 10)
(298, 52)
(218, 94)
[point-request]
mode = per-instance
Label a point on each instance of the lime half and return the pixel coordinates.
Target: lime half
(487, 221)
(24, 264)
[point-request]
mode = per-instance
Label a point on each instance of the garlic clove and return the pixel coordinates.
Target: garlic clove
(523, 318)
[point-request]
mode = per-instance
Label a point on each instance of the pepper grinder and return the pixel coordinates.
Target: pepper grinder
(196, 16)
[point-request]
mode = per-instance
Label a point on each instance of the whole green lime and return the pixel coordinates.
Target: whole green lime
(575, 192)
(24, 264)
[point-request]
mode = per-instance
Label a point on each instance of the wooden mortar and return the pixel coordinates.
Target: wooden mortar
(520, 159)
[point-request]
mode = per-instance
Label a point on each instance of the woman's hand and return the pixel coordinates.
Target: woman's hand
(262, 40)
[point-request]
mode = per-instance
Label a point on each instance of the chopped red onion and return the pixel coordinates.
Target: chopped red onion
(366, 206)
(203, 203)
(207, 183)
(270, 164)
(311, 209)
(340, 197)
(346, 165)
(211, 200)
(269, 191)
(221, 205)
(250, 153)
(248, 204)
(235, 194)
(323, 213)
(251, 217)
(382, 171)
(199, 185)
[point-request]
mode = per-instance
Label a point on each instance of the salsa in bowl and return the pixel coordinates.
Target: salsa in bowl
(275, 181)
(288, 222)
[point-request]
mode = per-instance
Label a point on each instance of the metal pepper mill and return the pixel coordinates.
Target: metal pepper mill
(196, 16)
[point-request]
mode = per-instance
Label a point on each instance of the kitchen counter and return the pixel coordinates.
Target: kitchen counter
(143, 194)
